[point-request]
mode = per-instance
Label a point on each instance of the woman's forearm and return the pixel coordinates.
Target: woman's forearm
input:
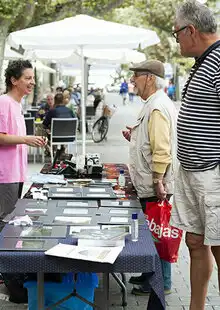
(6, 139)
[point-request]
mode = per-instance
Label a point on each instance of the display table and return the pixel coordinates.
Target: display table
(136, 257)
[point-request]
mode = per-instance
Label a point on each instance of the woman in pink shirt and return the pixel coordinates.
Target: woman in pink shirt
(19, 79)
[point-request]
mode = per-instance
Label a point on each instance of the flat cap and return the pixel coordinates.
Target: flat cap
(155, 67)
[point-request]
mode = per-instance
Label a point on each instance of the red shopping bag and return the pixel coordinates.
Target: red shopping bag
(166, 237)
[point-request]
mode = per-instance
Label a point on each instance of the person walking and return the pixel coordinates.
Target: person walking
(196, 207)
(124, 91)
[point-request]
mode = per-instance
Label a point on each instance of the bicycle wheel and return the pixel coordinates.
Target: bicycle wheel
(100, 129)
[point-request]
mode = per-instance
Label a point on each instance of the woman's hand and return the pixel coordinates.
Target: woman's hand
(35, 141)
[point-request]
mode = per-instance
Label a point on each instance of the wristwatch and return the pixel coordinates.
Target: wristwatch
(156, 181)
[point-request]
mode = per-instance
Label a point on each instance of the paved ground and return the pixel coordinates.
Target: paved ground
(115, 149)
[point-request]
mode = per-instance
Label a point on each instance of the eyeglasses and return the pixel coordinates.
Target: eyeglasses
(174, 33)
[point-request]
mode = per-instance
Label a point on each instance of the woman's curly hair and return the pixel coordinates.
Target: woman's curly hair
(15, 69)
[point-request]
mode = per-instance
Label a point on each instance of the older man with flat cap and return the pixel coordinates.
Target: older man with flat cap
(152, 149)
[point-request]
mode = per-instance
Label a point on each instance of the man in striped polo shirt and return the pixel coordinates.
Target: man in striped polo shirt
(197, 195)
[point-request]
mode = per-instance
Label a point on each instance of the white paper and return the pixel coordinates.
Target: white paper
(94, 254)
(118, 211)
(98, 195)
(33, 210)
(65, 190)
(97, 190)
(63, 195)
(74, 220)
(21, 221)
(75, 211)
(119, 219)
(77, 204)
(122, 203)
(48, 178)
(109, 180)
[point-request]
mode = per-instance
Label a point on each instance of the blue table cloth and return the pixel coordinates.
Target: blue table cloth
(136, 257)
(140, 256)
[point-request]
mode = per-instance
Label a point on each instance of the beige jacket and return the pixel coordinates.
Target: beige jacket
(140, 149)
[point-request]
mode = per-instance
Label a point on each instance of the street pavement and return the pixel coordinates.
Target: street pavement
(116, 150)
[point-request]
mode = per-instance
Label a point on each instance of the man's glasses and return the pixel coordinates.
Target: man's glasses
(175, 32)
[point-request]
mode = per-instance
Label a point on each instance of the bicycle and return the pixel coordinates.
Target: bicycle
(100, 127)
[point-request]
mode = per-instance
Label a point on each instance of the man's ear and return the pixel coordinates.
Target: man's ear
(192, 29)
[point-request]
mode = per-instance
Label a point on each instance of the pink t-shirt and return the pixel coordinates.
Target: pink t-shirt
(13, 158)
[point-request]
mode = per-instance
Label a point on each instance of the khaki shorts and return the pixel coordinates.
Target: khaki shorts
(196, 203)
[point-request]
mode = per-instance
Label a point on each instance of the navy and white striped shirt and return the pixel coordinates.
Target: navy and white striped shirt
(198, 124)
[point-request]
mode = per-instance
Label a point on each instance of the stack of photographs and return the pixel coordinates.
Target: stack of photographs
(101, 237)
(74, 230)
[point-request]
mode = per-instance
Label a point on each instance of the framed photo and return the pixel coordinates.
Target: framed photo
(65, 192)
(66, 220)
(37, 231)
(20, 244)
(31, 208)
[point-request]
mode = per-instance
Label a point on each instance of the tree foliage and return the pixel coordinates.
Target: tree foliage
(22, 14)
(159, 16)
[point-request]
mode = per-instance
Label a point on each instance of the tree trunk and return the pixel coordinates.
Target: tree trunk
(4, 25)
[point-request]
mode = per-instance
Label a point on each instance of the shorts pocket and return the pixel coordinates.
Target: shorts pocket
(212, 216)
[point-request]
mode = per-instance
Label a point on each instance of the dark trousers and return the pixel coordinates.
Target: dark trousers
(166, 266)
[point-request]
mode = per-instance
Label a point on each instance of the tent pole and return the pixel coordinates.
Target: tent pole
(83, 114)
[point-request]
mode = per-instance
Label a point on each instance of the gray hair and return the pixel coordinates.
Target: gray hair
(197, 14)
(159, 82)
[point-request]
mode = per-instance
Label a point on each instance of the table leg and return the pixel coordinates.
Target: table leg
(123, 277)
(40, 290)
(123, 289)
(106, 290)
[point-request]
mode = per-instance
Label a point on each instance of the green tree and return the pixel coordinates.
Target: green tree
(158, 16)
(17, 14)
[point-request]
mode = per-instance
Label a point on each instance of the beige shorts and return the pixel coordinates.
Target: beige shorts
(196, 203)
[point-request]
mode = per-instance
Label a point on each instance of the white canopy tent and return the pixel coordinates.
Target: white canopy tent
(82, 32)
(10, 54)
(117, 56)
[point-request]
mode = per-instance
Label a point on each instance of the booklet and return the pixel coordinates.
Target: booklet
(93, 254)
